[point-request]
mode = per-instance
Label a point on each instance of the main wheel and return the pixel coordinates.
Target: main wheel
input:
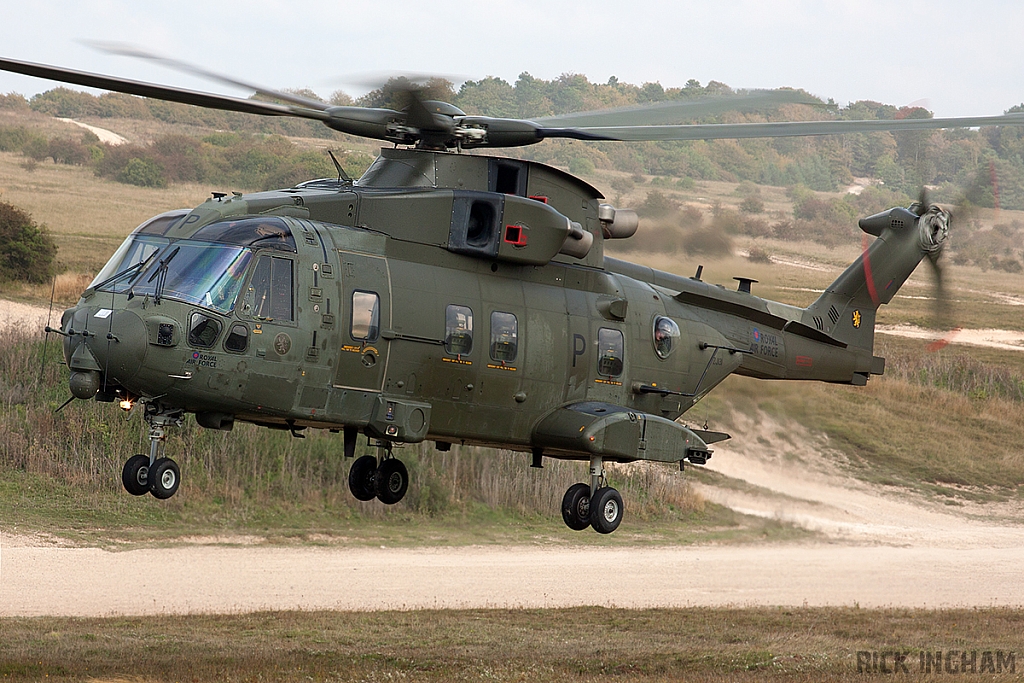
(606, 510)
(163, 477)
(392, 481)
(362, 478)
(134, 475)
(576, 507)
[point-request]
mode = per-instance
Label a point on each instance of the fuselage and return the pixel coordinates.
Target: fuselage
(446, 297)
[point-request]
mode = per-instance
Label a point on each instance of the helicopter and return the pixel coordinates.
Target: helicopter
(457, 298)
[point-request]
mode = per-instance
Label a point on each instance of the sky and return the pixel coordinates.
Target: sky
(955, 58)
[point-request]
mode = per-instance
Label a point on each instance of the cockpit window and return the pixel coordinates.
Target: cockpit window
(132, 252)
(666, 333)
(159, 225)
(269, 296)
(208, 275)
(268, 231)
(145, 240)
(365, 316)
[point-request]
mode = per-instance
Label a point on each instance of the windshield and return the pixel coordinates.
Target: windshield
(145, 240)
(199, 273)
(133, 251)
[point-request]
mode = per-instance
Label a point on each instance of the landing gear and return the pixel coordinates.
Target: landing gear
(164, 477)
(144, 474)
(386, 479)
(392, 481)
(605, 510)
(596, 505)
(134, 475)
(576, 507)
(362, 478)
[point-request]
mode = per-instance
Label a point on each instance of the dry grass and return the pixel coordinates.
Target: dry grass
(581, 644)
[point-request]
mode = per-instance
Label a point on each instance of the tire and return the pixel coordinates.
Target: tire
(134, 475)
(362, 478)
(576, 507)
(392, 481)
(606, 510)
(164, 477)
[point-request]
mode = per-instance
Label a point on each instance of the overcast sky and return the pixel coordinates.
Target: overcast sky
(961, 58)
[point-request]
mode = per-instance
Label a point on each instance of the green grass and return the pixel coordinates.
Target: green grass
(38, 504)
(581, 644)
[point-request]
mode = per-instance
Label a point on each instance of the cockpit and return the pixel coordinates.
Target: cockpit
(207, 269)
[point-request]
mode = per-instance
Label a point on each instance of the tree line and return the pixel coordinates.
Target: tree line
(986, 165)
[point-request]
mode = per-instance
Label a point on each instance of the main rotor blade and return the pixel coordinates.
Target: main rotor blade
(127, 50)
(160, 92)
(677, 110)
(734, 131)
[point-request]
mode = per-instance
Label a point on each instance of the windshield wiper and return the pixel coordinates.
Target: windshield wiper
(130, 269)
(161, 276)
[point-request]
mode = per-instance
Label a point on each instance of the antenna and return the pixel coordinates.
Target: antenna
(342, 176)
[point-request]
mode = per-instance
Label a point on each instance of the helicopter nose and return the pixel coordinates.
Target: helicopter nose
(121, 349)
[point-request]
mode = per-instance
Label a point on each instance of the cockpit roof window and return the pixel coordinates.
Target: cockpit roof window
(268, 231)
(159, 225)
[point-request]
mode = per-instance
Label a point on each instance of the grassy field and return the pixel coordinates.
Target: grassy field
(582, 644)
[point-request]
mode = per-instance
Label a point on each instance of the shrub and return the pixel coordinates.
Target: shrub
(581, 166)
(14, 139)
(656, 205)
(27, 250)
(13, 101)
(757, 227)
(707, 241)
(726, 220)
(36, 148)
(143, 172)
(68, 151)
(752, 204)
(759, 255)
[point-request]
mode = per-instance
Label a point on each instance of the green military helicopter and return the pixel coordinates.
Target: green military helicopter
(456, 298)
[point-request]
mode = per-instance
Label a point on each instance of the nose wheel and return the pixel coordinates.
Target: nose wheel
(152, 473)
(596, 505)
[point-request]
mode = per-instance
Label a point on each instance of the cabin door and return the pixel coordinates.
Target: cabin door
(365, 312)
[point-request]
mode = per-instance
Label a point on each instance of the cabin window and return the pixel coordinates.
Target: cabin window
(610, 347)
(458, 332)
(237, 339)
(504, 337)
(269, 296)
(666, 333)
(203, 330)
(365, 316)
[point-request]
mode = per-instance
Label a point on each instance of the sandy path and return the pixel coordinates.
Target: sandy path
(1007, 340)
(107, 136)
(795, 483)
(92, 582)
(13, 313)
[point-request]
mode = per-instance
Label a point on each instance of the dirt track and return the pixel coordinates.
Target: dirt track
(880, 548)
(92, 582)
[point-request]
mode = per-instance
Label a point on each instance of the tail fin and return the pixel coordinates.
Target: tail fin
(846, 310)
